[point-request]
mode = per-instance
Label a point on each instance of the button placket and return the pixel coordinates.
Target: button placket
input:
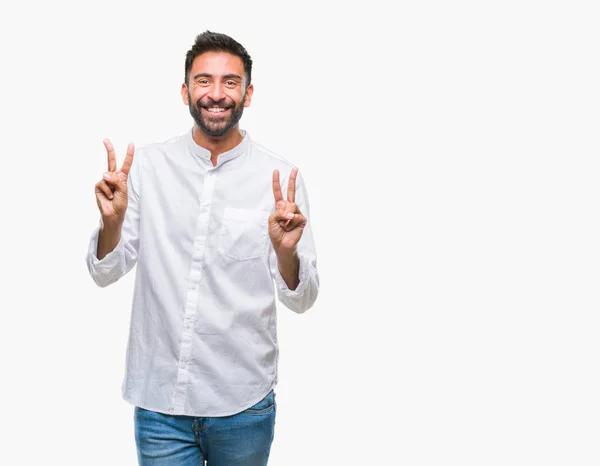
(192, 294)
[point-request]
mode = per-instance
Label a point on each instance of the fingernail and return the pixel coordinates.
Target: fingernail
(290, 215)
(107, 176)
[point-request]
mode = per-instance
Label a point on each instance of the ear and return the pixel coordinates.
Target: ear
(184, 94)
(249, 93)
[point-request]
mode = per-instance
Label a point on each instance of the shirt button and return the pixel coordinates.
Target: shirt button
(182, 364)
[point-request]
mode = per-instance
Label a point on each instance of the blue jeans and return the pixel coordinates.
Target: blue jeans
(174, 440)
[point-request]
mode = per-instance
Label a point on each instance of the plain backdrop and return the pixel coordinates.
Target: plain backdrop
(451, 157)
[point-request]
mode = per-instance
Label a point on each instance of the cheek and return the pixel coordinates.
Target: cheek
(196, 94)
(236, 98)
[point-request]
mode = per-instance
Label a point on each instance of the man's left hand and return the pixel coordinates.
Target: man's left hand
(287, 222)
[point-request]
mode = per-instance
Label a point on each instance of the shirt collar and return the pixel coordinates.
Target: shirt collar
(223, 157)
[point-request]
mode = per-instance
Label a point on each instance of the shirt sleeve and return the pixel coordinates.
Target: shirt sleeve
(304, 296)
(124, 256)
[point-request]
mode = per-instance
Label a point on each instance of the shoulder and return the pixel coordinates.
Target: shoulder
(270, 158)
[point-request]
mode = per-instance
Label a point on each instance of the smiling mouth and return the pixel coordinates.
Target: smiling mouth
(216, 111)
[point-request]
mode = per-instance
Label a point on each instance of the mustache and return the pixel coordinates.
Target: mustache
(208, 102)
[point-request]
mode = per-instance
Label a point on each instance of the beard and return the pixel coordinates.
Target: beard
(217, 126)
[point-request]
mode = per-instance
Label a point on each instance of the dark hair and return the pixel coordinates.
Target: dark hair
(215, 42)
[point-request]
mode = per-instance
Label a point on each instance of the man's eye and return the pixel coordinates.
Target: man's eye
(230, 83)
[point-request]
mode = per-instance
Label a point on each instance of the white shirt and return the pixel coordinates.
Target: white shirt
(203, 335)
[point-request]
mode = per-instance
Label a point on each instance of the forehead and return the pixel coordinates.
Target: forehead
(217, 63)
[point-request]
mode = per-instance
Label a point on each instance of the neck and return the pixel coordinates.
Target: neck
(217, 144)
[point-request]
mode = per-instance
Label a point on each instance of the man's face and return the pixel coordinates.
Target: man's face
(216, 92)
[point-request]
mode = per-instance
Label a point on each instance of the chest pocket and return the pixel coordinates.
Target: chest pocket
(244, 233)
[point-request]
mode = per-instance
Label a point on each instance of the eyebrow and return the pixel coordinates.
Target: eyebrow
(208, 75)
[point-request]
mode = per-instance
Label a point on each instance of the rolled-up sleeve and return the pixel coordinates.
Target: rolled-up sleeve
(124, 256)
(305, 294)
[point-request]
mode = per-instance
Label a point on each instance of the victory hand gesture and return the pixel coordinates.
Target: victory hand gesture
(111, 192)
(287, 223)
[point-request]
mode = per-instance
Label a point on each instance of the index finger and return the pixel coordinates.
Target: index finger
(128, 159)
(112, 158)
(277, 187)
(291, 191)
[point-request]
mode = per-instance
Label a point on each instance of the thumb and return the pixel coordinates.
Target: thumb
(279, 216)
(117, 180)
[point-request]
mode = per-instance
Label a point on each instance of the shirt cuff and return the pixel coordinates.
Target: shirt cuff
(302, 284)
(110, 260)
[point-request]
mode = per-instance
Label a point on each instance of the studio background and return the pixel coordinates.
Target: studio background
(450, 153)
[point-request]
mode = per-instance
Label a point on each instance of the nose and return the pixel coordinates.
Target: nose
(216, 92)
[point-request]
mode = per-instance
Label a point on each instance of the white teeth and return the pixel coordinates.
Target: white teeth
(216, 110)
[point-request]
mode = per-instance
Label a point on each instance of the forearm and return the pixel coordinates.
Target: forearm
(109, 237)
(289, 268)
(112, 251)
(306, 287)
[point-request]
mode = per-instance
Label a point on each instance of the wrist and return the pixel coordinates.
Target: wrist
(111, 224)
(287, 256)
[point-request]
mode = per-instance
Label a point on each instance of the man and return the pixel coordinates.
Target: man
(217, 226)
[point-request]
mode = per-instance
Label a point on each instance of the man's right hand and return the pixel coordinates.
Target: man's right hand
(111, 192)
